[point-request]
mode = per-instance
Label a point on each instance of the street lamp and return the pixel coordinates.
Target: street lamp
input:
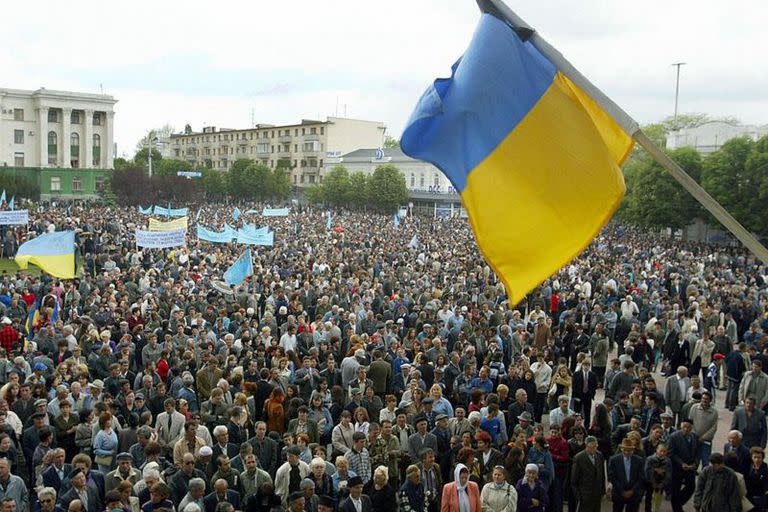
(151, 145)
(677, 85)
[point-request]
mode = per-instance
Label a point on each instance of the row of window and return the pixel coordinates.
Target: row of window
(308, 147)
(435, 180)
(18, 161)
(249, 136)
(53, 137)
(55, 114)
(77, 183)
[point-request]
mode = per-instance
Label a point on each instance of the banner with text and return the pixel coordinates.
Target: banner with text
(156, 225)
(275, 212)
(14, 217)
(161, 239)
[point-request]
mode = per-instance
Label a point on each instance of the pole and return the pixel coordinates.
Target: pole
(701, 195)
(677, 86)
(149, 152)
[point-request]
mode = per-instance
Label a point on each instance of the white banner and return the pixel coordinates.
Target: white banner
(14, 217)
(161, 239)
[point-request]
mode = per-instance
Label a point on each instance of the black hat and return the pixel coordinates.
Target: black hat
(419, 419)
(353, 481)
(74, 473)
(38, 415)
(325, 501)
(295, 496)
(125, 456)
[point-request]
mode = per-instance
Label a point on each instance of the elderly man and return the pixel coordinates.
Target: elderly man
(588, 477)
(221, 494)
(79, 490)
(223, 446)
(195, 494)
(676, 390)
(750, 421)
(124, 471)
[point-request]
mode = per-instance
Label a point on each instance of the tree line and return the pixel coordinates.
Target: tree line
(384, 190)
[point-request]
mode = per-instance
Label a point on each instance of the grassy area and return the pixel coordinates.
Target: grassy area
(8, 265)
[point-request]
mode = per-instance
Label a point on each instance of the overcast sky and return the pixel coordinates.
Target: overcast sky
(224, 63)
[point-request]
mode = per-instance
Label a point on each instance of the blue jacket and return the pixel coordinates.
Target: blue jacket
(543, 459)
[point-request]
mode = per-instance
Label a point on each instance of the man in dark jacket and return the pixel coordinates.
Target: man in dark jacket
(584, 388)
(625, 472)
(588, 477)
(684, 452)
(718, 488)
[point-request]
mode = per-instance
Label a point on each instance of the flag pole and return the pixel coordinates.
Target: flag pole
(499, 9)
(702, 196)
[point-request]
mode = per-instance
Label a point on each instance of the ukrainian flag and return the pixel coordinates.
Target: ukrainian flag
(32, 320)
(52, 252)
(535, 158)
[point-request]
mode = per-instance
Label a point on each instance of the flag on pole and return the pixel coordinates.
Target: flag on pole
(329, 223)
(52, 252)
(240, 269)
(414, 242)
(10, 203)
(32, 319)
(2, 197)
(236, 213)
(396, 221)
(516, 120)
(55, 314)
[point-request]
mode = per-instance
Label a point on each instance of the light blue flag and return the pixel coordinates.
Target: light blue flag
(329, 224)
(275, 212)
(2, 197)
(10, 203)
(396, 221)
(240, 269)
(236, 213)
(414, 242)
(145, 211)
(169, 208)
(178, 212)
(266, 240)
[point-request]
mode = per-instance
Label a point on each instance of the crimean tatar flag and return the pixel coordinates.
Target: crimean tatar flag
(52, 252)
(535, 158)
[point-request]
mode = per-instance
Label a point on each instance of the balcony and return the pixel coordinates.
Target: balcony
(311, 137)
(284, 138)
(262, 150)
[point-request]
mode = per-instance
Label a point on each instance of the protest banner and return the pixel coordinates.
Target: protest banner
(275, 212)
(161, 239)
(14, 217)
(156, 225)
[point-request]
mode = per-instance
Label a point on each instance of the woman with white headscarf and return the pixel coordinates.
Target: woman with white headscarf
(461, 495)
(531, 494)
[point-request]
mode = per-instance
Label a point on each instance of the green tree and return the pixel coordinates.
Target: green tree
(336, 186)
(757, 168)
(284, 163)
(140, 159)
(260, 180)
(213, 183)
(391, 142)
(387, 188)
(169, 167)
(358, 189)
(314, 194)
(727, 180)
(655, 198)
(238, 184)
(279, 184)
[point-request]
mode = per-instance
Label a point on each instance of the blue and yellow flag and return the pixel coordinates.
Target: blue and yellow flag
(52, 252)
(33, 317)
(534, 157)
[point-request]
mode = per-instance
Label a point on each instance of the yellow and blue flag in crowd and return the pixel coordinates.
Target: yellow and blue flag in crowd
(33, 317)
(52, 252)
(535, 158)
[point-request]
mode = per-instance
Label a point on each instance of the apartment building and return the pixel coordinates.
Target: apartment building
(304, 146)
(46, 128)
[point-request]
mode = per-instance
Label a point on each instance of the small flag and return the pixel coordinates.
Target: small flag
(396, 221)
(52, 252)
(55, 314)
(197, 217)
(10, 203)
(240, 269)
(32, 319)
(329, 224)
(2, 197)
(414, 242)
(169, 208)
(236, 213)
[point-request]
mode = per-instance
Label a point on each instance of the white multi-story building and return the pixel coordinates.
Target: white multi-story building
(709, 137)
(46, 128)
(305, 146)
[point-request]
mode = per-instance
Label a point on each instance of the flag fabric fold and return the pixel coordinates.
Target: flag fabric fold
(53, 252)
(535, 158)
(236, 213)
(240, 269)
(10, 203)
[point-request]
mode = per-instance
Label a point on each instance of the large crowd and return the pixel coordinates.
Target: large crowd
(373, 367)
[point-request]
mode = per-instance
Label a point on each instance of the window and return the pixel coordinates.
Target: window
(302, 177)
(311, 179)
(18, 136)
(413, 180)
(322, 130)
(52, 138)
(296, 132)
(313, 131)
(436, 181)
(52, 148)
(53, 115)
(294, 178)
(421, 181)
(101, 183)
(74, 140)
(18, 114)
(96, 150)
(75, 117)
(303, 163)
(77, 184)
(96, 119)
(96, 140)
(55, 183)
(18, 159)
(295, 163)
(303, 131)
(295, 148)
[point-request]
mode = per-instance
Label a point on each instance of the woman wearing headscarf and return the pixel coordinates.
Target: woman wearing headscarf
(531, 494)
(461, 495)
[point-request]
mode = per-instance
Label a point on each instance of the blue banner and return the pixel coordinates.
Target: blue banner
(145, 211)
(275, 212)
(240, 269)
(171, 212)
(236, 213)
(209, 235)
(266, 240)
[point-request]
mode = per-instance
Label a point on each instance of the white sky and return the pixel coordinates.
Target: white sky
(214, 63)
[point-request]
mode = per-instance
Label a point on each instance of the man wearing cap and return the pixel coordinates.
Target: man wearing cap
(356, 501)
(78, 490)
(289, 476)
(124, 471)
(400, 380)
(31, 438)
(588, 477)
(297, 502)
(325, 504)
(9, 337)
(625, 472)
(421, 439)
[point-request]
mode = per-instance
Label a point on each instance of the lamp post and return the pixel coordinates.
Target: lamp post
(151, 145)
(677, 86)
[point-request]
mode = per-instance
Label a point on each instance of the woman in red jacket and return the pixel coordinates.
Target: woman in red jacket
(461, 495)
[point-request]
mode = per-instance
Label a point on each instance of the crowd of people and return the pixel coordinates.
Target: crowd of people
(373, 367)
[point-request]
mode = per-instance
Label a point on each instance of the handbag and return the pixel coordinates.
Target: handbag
(103, 460)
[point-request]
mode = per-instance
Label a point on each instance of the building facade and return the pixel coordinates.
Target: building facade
(709, 137)
(61, 129)
(304, 146)
(56, 183)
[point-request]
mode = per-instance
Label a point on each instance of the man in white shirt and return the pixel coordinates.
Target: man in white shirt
(542, 375)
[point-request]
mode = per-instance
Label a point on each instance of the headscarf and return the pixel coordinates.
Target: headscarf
(464, 505)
